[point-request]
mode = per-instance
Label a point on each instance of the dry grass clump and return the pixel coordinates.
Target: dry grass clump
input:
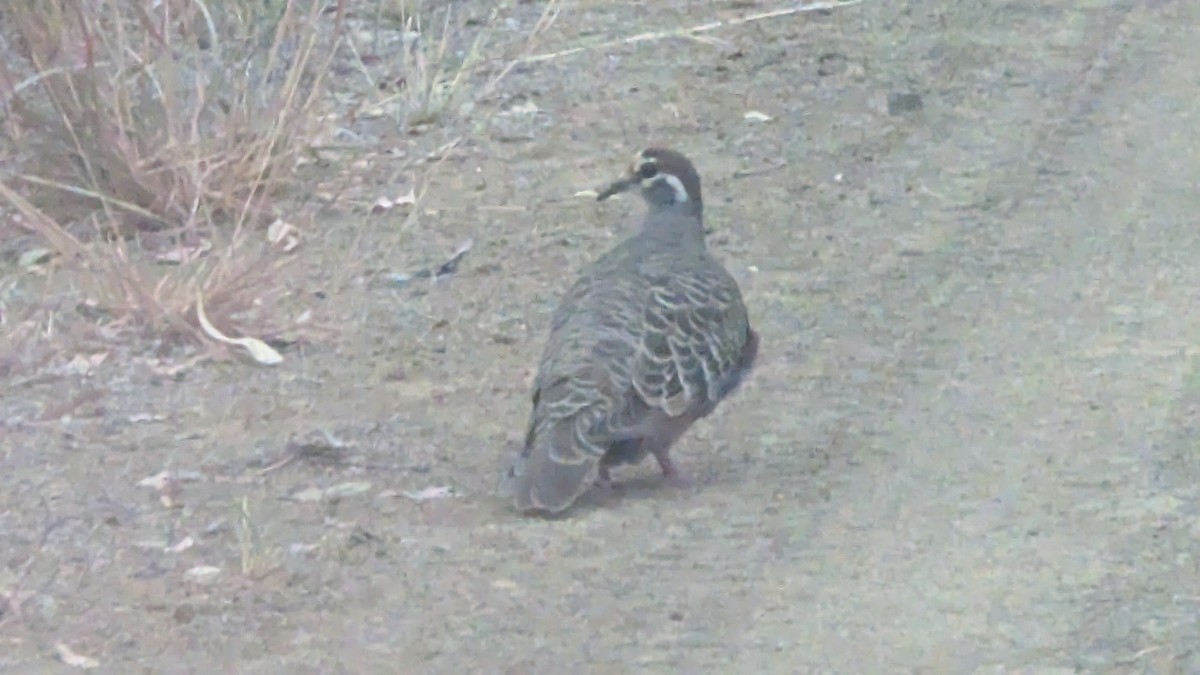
(181, 118)
(148, 143)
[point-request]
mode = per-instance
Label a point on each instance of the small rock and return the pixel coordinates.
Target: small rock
(901, 103)
(184, 614)
(831, 63)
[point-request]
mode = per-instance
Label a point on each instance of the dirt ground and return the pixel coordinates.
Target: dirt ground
(967, 237)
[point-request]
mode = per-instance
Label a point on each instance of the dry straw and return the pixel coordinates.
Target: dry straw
(173, 119)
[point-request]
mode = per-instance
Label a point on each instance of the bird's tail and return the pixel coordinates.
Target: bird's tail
(552, 470)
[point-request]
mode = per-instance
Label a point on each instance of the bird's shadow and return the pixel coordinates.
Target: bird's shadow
(631, 485)
(641, 486)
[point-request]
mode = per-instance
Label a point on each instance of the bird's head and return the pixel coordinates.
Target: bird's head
(666, 179)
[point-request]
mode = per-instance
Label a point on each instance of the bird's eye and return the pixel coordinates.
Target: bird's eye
(647, 170)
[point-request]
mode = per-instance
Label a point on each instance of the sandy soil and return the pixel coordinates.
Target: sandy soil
(972, 445)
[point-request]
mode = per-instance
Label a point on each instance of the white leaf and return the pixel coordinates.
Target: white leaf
(382, 204)
(183, 545)
(202, 573)
(347, 489)
(184, 254)
(526, 108)
(84, 364)
(158, 481)
(35, 256)
(313, 494)
(408, 199)
(432, 492)
(756, 116)
(339, 491)
(69, 657)
(259, 350)
(284, 235)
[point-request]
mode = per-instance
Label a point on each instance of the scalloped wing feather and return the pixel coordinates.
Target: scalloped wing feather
(696, 330)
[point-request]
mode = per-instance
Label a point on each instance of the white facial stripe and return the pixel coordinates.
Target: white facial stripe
(681, 194)
(640, 161)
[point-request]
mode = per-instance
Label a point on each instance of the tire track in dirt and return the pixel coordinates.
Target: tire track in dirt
(978, 542)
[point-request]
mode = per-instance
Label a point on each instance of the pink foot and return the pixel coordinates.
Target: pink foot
(606, 492)
(671, 475)
(604, 478)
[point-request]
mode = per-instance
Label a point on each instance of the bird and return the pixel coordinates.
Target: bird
(651, 337)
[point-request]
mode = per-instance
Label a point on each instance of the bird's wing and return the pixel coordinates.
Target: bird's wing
(693, 346)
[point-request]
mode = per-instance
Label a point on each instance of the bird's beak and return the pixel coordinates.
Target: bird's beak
(619, 186)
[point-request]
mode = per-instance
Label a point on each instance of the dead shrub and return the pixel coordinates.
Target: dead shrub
(181, 118)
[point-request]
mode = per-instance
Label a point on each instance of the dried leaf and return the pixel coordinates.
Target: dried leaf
(347, 489)
(409, 199)
(201, 574)
(71, 658)
(183, 254)
(313, 494)
(84, 364)
(35, 256)
(284, 235)
(382, 204)
(590, 194)
(168, 487)
(259, 350)
(386, 204)
(432, 492)
(339, 491)
(158, 481)
(172, 369)
(183, 545)
(756, 116)
(451, 265)
(525, 108)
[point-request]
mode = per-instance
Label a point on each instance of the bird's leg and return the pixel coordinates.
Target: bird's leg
(670, 472)
(606, 494)
(619, 452)
(603, 478)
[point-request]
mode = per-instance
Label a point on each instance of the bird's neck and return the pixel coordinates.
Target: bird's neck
(682, 223)
(689, 208)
